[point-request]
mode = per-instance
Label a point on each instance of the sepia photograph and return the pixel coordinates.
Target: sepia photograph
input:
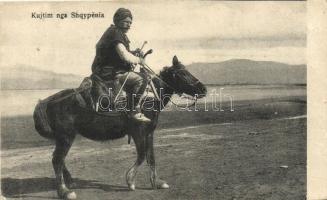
(154, 100)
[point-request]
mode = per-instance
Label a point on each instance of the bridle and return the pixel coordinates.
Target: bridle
(174, 74)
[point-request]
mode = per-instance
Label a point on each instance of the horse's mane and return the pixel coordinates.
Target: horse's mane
(164, 71)
(163, 76)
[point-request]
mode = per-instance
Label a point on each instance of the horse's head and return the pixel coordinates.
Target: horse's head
(182, 81)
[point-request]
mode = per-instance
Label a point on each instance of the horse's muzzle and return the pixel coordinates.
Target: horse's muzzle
(202, 90)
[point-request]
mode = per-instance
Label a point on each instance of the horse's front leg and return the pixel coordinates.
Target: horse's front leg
(155, 181)
(139, 140)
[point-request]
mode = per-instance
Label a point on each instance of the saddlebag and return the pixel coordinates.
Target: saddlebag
(41, 121)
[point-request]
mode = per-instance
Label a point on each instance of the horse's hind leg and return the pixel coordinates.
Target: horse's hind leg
(139, 140)
(58, 161)
(154, 179)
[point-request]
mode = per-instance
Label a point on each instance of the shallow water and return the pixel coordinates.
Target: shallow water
(217, 94)
(22, 102)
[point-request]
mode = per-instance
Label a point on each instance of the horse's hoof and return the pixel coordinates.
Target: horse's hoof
(70, 196)
(131, 187)
(163, 186)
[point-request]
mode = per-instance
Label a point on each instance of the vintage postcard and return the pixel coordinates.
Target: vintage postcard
(161, 100)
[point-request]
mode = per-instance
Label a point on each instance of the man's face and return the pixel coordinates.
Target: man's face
(125, 24)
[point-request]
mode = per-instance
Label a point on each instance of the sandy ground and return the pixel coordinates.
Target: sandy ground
(258, 152)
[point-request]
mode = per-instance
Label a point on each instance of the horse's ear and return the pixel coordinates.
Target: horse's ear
(175, 61)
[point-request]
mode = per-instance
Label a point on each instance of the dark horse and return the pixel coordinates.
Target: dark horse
(66, 118)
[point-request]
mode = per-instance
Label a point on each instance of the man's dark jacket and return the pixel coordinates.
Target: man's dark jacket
(107, 61)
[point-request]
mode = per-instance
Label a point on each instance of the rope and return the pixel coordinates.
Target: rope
(76, 91)
(121, 88)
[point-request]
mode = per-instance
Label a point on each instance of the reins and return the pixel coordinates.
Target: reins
(153, 73)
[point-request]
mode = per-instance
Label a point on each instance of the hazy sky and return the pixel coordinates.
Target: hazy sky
(194, 31)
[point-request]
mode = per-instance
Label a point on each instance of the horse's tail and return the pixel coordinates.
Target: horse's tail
(41, 122)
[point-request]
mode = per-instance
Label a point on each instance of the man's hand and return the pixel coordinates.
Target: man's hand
(138, 52)
(127, 56)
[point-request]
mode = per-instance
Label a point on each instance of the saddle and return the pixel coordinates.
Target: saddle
(103, 95)
(109, 97)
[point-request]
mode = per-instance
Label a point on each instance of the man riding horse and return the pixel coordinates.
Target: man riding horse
(114, 61)
(70, 112)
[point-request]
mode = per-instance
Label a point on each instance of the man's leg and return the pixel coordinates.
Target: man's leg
(135, 85)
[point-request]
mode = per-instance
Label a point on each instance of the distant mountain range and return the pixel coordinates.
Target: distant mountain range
(235, 71)
(243, 71)
(28, 77)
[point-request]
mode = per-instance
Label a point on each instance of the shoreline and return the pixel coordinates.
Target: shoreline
(18, 131)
